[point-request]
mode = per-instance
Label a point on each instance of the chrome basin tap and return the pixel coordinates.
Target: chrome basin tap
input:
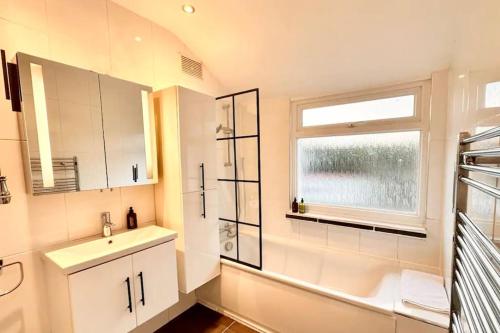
(106, 224)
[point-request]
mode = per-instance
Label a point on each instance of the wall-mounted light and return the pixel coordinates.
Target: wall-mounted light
(42, 125)
(149, 135)
(187, 8)
(138, 39)
(5, 196)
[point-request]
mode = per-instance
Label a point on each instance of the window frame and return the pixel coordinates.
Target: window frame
(420, 121)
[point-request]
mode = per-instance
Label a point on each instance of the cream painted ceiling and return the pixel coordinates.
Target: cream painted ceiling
(310, 47)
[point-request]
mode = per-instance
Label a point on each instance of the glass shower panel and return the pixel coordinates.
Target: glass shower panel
(247, 160)
(227, 200)
(248, 202)
(225, 159)
(245, 106)
(224, 117)
(249, 244)
(228, 239)
(238, 172)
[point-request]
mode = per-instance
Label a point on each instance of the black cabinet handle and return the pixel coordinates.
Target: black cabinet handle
(204, 213)
(202, 167)
(202, 187)
(135, 172)
(129, 295)
(143, 298)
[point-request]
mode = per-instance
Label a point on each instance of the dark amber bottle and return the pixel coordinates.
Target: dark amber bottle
(131, 219)
(295, 206)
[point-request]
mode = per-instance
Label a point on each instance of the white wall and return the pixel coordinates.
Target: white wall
(424, 254)
(96, 35)
(475, 61)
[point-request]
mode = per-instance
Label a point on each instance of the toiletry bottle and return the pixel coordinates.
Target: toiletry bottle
(302, 206)
(295, 206)
(131, 219)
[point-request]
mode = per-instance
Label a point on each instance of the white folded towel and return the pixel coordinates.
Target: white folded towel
(424, 290)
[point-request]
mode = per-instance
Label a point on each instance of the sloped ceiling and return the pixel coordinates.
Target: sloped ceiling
(310, 47)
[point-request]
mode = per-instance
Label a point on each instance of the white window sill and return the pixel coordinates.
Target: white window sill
(391, 228)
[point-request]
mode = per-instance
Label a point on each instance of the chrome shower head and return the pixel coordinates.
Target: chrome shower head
(224, 129)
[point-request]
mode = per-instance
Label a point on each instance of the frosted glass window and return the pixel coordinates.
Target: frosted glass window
(377, 109)
(492, 95)
(371, 171)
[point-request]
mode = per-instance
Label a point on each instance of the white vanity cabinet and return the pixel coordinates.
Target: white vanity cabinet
(155, 280)
(99, 298)
(116, 296)
(186, 195)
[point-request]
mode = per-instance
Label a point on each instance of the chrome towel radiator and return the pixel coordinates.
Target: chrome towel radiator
(66, 176)
(475, 296)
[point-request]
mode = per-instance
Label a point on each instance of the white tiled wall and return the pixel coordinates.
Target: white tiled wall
(101, 37)
(418, 253)
(343, 238)
(475, 61)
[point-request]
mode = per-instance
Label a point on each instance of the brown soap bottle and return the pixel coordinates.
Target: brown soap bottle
(295, 206)
(131, 219)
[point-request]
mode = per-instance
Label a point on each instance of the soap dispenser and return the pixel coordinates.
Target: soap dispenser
(302, 206)
(295, 206)
(131, 219)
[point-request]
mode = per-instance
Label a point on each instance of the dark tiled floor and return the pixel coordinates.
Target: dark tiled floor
(200, 319)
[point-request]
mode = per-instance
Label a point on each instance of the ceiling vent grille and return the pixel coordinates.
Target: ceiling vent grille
(192, 67)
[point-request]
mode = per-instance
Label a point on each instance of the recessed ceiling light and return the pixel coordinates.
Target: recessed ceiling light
(188, 9)
(461, 76)
(138, 38)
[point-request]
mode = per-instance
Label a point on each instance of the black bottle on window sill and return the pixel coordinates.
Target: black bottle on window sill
(131, 219)
(295, 206)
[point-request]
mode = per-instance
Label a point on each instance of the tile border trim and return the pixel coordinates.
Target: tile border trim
(361, 226)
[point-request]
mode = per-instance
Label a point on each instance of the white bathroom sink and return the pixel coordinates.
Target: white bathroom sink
(76, 257)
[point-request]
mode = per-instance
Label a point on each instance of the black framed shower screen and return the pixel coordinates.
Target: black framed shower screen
(239, 177)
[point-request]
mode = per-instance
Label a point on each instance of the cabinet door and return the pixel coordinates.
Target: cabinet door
(210, 144)
(73, 135)
(101, 298)
(123, 123)
(197, 134)
(155, 280)
(201, 237)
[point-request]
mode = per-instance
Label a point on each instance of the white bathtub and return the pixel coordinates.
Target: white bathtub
(307, 289)
(354, 278)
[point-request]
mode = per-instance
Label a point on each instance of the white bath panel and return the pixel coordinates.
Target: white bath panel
(408, 325)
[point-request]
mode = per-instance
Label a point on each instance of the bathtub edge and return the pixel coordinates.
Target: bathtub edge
(389, 311)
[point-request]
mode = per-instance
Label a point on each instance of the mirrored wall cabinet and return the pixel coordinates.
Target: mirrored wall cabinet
(84, 130)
